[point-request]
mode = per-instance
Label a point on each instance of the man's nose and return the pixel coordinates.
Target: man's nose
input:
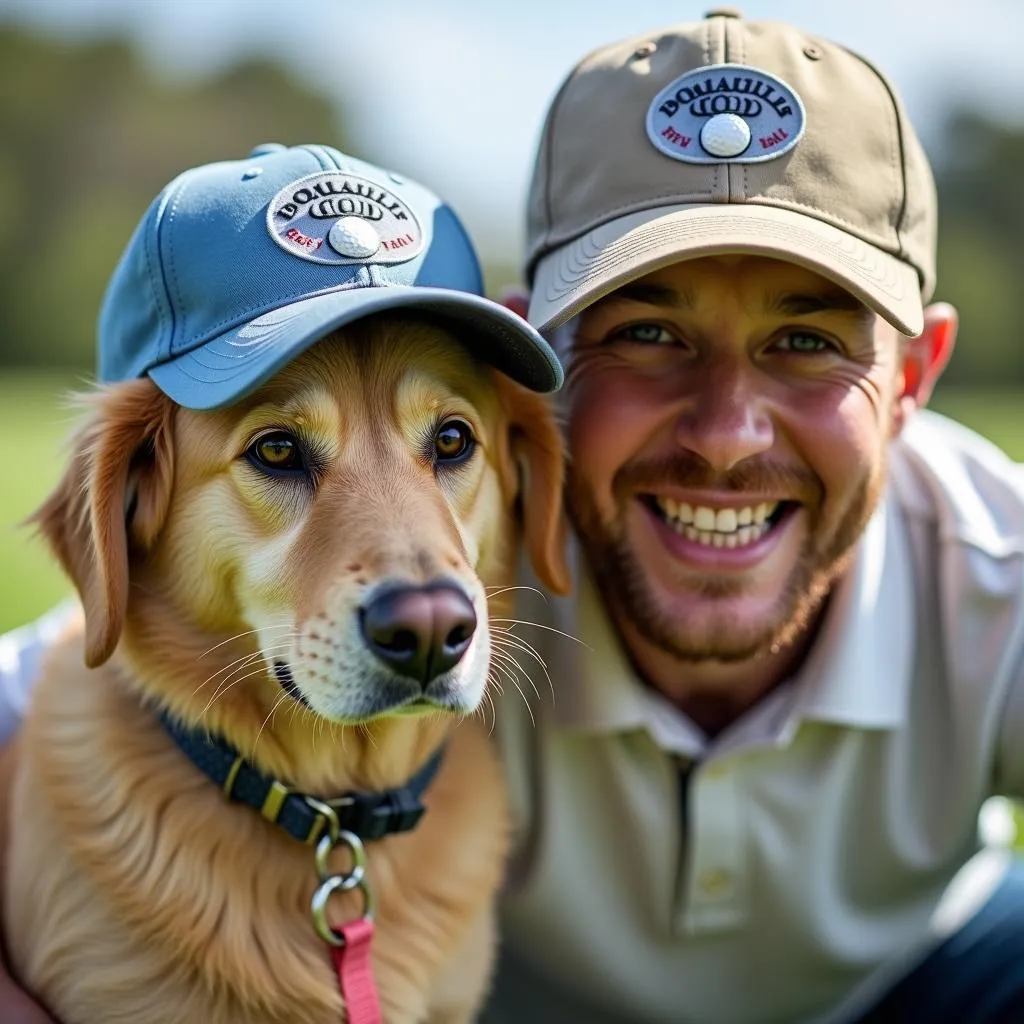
(728, 419)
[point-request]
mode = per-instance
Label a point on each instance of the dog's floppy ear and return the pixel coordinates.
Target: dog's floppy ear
(533, 467)
(115, 491)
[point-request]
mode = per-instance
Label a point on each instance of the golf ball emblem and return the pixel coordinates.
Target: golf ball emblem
(353, 236)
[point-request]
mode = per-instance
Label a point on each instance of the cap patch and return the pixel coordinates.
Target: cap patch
(339, 218)
(725, 113)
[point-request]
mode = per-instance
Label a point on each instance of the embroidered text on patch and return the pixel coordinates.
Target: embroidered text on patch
(338, 218)
(725, 113)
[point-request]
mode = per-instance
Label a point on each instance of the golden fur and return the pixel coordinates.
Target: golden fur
(134, 890)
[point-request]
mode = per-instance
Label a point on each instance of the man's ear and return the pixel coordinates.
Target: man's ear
(517, 299)
(115, 492)
(532, 461)
(924, 358)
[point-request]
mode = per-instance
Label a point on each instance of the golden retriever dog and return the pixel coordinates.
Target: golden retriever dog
(267, 572)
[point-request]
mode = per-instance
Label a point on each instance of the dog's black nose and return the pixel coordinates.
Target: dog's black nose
(419, 632)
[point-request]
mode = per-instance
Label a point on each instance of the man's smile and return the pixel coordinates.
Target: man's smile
(735, 536)
(733, 524)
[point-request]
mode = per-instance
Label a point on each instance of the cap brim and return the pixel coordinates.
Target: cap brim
(579, 273)
(234, 363)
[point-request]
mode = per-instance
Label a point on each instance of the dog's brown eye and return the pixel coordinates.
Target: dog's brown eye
(276, 451)
(453, 442)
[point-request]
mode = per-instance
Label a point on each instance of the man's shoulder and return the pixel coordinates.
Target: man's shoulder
(968, 490)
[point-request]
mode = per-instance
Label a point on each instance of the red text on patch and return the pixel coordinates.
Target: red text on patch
(399, 242)
(300, 239)
(769, 141)
(673, 136)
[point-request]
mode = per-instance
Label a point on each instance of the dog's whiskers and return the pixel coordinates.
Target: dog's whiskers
(536, 625)
(508, 673)
(498, 591)
(282, 696)
(508, 642)
(509, 639)
(245, 659)
(223, 689)
(482, 709)
(504, 657)
(243, 662)
(228, 681)
(248, 632)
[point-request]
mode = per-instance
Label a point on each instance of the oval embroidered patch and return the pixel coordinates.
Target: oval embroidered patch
(725, 113)
(334, 217)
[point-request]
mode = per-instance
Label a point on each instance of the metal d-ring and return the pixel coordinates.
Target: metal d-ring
(355, 845)
(330, 816)
(331, 883)
(318, 906)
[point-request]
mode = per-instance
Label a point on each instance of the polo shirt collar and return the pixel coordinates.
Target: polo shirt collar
(857, 674)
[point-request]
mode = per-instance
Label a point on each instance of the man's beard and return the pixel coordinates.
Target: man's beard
(826, 554)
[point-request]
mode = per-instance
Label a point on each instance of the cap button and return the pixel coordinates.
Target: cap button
(265, 148)
(724, 12)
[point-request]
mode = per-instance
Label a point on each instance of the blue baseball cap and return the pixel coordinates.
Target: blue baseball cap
(238, 267)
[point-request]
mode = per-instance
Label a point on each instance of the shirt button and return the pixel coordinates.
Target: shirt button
(716, 883)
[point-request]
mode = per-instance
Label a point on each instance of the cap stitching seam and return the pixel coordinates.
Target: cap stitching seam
(706, 54)
(898, 161)
(743, 60)
(316, 153)
(503, 330)
(171, 262)
(684, 200)
(547, 144)
(278, 303)
(160, 311)
(617, 211)
(556, 241)
(828, 218)
(166, 225)
(544, 151)
(174, 189)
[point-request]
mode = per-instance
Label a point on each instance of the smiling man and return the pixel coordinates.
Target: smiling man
(798, 664)
(799, 600)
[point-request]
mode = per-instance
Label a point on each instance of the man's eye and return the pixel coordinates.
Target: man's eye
(645, 334)
(805, 343)
(278, 452)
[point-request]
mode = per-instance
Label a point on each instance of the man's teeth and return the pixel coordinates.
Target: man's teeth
(724, 527)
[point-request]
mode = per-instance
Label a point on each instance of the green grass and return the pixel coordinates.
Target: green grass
(999, 415)
(35, 422)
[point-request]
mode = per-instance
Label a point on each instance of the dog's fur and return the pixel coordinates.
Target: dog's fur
(134, 890)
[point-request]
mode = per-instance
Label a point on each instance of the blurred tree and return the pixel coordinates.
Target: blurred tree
(981, 247)
(90, 135)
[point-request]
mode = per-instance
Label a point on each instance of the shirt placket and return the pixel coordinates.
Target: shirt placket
(715, 864)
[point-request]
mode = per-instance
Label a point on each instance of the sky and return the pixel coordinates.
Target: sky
(454, 91)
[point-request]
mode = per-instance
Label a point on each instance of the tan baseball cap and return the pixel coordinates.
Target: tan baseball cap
(724, 136)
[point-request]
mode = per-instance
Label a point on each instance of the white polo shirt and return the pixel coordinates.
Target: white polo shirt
(797, 871)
